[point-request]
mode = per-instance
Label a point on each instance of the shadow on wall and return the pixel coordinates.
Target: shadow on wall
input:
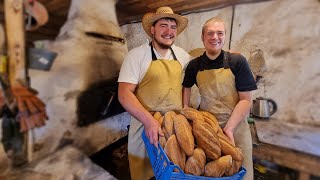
(98, 102)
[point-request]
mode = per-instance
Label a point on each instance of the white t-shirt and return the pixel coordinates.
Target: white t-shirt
(138, 60)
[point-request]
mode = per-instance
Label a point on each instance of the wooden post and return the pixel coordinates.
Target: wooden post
(15, 33)
(15, 40)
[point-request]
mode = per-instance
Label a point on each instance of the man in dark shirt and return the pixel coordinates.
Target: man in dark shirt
(225, 83)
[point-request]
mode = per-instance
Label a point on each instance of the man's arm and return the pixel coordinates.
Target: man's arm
(239, 113)
(186, 93)
(132, 105)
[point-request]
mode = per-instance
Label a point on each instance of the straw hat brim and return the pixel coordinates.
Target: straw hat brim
(149, 18)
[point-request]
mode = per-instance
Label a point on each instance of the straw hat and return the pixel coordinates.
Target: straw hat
(163, 12)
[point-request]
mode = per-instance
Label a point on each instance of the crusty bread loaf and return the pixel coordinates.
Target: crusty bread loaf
(207, 139)
(195, 164)
(227, 148)
(234, 168)
(192, 114)
(183, 131)
(174, 152)
(162, 141)
(236, 165)
(212, 120)
(158, 116)
(168, 123)
(218, 167)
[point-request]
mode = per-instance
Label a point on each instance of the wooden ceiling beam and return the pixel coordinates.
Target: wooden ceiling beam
(170, 3)
(134, 12)
(185, 7)
(128, 11)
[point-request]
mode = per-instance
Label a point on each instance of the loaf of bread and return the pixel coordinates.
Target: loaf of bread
(196, 163)
(162, 141)
(158, 116)
(207, 139)
(183, 131)
(174, 152)
(192, 114)
(234, 168)
(227, 148)
(211, 119)
(236, 165)
(218, 167)
(168, 123)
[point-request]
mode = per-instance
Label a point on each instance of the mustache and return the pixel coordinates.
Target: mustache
(161, 45)
(165, 35)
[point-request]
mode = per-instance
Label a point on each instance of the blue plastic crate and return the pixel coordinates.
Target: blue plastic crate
(163, 167)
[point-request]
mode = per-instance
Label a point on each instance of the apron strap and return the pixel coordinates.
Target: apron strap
(154, 57)
(174, 55)
(226, 58)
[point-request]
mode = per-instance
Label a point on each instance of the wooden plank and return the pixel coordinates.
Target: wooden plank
(292, 136)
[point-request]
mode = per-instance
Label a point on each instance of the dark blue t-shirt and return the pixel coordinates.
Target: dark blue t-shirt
(238, 64)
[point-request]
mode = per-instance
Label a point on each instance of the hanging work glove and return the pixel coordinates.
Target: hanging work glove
(31, 110)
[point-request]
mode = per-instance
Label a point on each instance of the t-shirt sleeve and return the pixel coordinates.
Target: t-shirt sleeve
(130, 69)
(243, 75)
(190, 74)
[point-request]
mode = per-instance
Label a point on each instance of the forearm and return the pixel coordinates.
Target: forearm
(239, 114)
(132, 105)
(240, 111)
(186, 93)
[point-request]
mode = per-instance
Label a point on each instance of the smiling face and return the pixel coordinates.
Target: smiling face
(213, 36)
(164, 32)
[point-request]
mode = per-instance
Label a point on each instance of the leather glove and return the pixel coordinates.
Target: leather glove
(31, 110)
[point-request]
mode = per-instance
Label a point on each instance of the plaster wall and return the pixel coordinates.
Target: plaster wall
(280, 39)
(82, 61)
(286, 35)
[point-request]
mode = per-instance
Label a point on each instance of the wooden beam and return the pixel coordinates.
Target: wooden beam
(170, 3)
(14, 22)
(128, 12)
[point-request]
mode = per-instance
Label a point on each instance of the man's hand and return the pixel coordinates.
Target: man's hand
(229, 133)
(31, 110)
(152, 130)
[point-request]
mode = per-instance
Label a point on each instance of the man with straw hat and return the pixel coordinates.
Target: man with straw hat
(150, 80)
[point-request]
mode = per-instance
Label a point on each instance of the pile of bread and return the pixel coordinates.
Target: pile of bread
(194, 141)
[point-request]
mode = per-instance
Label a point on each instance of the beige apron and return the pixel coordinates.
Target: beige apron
(159, 90)
(219, 96)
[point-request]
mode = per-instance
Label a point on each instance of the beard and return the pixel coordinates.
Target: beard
(162, 45)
